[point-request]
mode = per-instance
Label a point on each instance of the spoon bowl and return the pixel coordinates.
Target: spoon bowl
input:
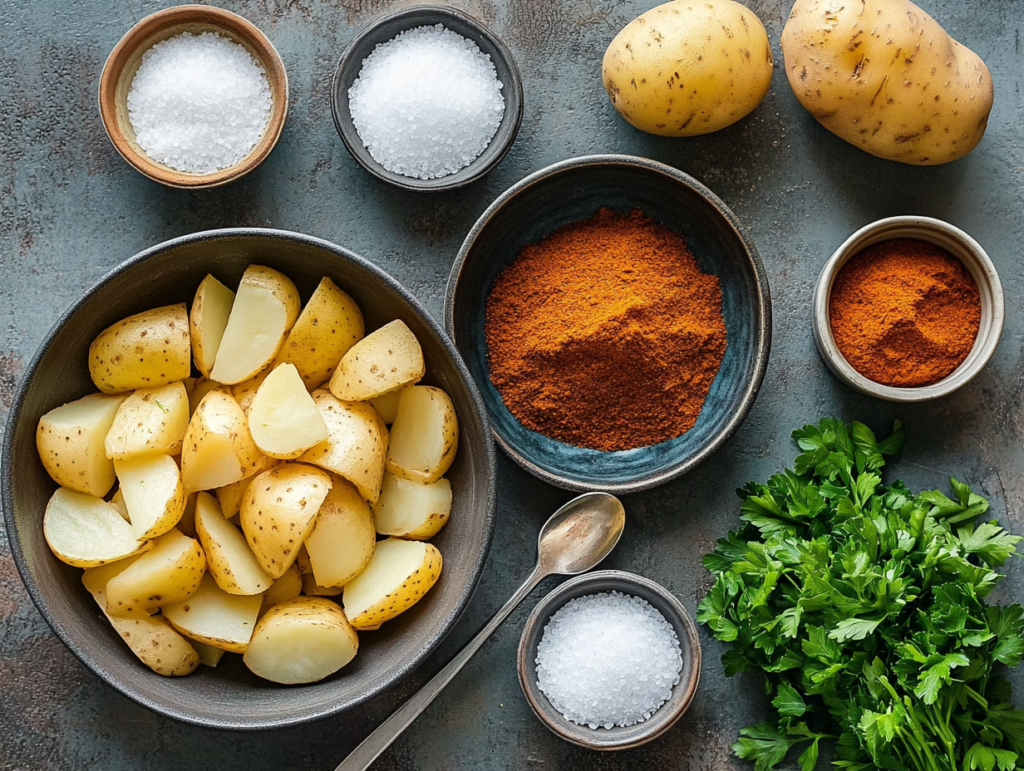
(580, 534)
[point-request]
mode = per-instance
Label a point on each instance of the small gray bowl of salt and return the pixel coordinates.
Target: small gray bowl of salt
(427, 99)
(609, 660)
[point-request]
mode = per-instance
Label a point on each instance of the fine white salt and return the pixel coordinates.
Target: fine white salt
(426, 103)
(608, 660)
(198, 103)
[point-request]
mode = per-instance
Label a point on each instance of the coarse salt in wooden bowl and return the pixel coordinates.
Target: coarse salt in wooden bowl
(123, 62)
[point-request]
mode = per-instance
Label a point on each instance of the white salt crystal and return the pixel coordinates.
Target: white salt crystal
(198, 103)
(608, 660)
(426, 103)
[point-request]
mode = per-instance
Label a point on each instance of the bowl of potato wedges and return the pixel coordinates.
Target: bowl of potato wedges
(248, 480)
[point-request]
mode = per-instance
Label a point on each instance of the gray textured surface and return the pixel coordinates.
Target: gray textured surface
(70, 209)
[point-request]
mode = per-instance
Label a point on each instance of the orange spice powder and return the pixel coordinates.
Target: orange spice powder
(904, 312)
(606, 334)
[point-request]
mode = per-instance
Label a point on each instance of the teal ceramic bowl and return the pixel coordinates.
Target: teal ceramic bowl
(573, 190)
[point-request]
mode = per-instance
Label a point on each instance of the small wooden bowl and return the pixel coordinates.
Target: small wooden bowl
(123, 62)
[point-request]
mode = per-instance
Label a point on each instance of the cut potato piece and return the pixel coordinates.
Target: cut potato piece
(166, 574)
(424, 436)
(86, 531)
(301, 641)
(117, 501)
(342, 542)
(356, 443)
(150, 420)
(151, 639)
(208, 320)
(396, 578)
(153, 493)
(218, 448)
(287, 587)
(279, 510)
(302, 558)
(147, 350)
(70, 443)
(328, 326)
(208, 655)
(382, 361)
(387, 405)
(212, 616)
(265, 308)
(199, 390)
(312, 589)
(244, 392)
(283, 418)
(228, 557)
(410, 510)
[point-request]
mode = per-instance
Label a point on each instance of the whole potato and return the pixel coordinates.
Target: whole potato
(884, 76)
(687, 68)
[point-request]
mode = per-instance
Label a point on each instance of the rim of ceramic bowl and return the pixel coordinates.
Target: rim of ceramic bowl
(150, 30)
(600, 581)
(506, 132)
(8, 450)
(958, 244)
(764, 317)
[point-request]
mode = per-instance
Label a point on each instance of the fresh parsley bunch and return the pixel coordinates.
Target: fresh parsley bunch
(864, 606)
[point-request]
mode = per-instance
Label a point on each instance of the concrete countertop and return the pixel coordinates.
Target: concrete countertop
(71, 209)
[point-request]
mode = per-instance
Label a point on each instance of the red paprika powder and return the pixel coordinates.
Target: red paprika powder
(605, 334)
(904, 312)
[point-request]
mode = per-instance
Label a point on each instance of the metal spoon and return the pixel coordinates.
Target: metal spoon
(576, 538)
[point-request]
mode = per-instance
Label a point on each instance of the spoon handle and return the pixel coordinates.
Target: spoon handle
(374, 744)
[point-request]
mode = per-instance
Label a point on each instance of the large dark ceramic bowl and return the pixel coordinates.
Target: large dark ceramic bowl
(385, 29)
(230, 696)
(573, 190)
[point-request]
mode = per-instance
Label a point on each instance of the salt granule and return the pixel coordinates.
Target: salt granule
(198, 103)
(608, 660)
(426, 103)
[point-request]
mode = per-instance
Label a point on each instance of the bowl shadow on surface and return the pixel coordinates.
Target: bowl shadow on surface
(229, 696)
(574, 192)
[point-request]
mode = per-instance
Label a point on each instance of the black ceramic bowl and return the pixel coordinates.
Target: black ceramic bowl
(617, 738)
(386, 28)
(230, 696)
(573, 190)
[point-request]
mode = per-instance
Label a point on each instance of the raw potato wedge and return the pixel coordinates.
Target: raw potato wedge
(356, 443)
(201, 388)
(265, 308)
(153, 641)
(342, 541)
(328, 326)
(70, 443)
(279, 510)
(398, 575)
(86, 531)
(382, 361)
(153, 493)
(208, 655)
(387, 405)
(167, 573)
(410, 510)
(424, 436)
(301, 641)
(150, 420)
(212, 616)
(283, 418)
(311, 588)
(218, 448)
(287, 587)
(228, 557)
(230, 496)
(208, 320)
(147, 350)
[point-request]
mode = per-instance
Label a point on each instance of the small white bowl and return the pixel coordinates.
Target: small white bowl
(958, 244)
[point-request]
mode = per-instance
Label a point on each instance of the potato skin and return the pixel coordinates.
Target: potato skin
(887, 78)
(147, 350)
(686, 68)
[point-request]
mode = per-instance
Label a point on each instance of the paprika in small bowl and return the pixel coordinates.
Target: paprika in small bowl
(616, 318)
(908, 309)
